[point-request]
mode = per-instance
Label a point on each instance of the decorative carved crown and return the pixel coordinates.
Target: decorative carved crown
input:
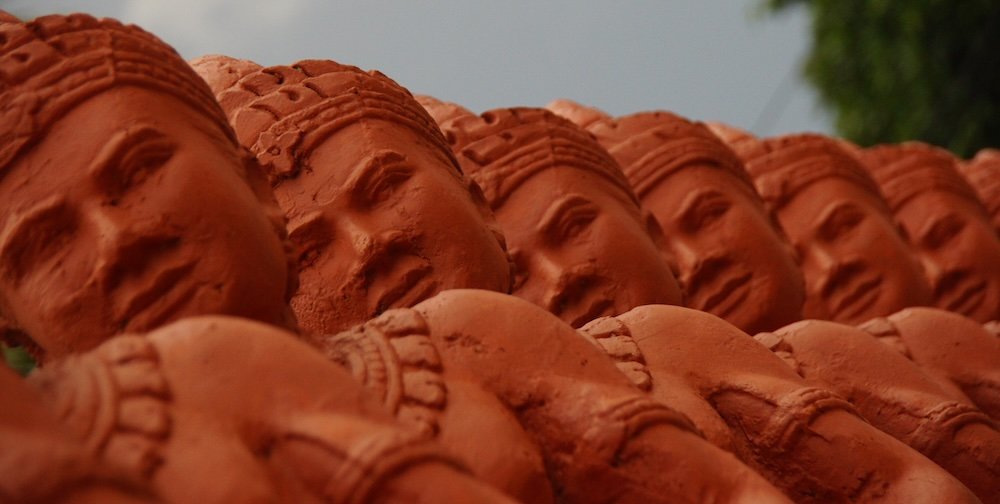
(51, 64)
(906, 170)
(502, 148)
(786, 165)
(282, 113)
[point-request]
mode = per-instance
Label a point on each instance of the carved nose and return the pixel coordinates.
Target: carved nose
(355, 236)
(128, 250)
(548, 269)
(932, 271)
(825, 261)
(685, 255)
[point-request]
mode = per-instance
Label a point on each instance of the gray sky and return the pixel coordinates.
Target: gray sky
(705, 59)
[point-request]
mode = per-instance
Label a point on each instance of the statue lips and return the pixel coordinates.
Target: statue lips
(581, 299)
(163, 292)
(857, 298)
(961, 293)
(409, 281)
(731, 288)
(728, 296)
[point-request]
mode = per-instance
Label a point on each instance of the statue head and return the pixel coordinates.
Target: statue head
(128, 202)
(580, 244)
(983, 174)
(376, 203)
(947, 224)
(733, 259)
(856, 263)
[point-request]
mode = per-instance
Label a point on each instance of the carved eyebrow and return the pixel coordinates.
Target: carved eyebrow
(358, 183)
(106, 168)
(558, 209)
(694, 201)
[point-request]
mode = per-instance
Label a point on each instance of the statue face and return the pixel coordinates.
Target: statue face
(131, 212)
(382, 221)
(733, 262)
(855, 262)
(581, 249)
(960, 252)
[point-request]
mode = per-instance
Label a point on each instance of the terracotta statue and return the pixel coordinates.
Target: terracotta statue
(805, 439)
(184, 408)
(43, 463)
(602, 440)
(147, 211)
(950, 346)
(947, 224)
(734, 260)
(396, 354)
(376, 204)
(983, 174)
(856, 263)
(127, 202)
(817, 467)
(566, 210)
(893, 394)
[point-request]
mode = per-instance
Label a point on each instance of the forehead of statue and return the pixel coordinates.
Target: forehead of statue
(924, 207)
(698, 175)
(546, 185)
(70, 146)
(339, 158)
(824, 190)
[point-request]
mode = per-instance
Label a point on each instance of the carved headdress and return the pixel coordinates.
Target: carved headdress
(788, 164)
(54, 63)
(651, 146)
(906, 170)
(282, 113)
(502, 148)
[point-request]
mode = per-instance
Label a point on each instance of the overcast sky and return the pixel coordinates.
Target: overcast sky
(705, 59)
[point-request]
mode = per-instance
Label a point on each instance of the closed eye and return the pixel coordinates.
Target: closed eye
(129, 158)
(35, 236)
(702, 209)
(567, 218)
(385, 182)
(839, 221)
(381, 175)
(941, 231)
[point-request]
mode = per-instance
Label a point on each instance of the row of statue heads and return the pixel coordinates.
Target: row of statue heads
(303, 284)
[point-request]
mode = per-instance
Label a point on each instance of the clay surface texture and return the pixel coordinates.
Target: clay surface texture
(302, 283)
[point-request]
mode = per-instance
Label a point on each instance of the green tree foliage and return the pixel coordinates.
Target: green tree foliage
(895, 70)
(17, 359)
